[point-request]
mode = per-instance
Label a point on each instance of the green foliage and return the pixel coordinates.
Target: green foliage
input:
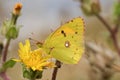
(116, 12)
(9, 64)
(30, 74)
(117, 9)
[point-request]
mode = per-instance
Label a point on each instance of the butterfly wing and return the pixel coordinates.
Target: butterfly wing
(67, 42)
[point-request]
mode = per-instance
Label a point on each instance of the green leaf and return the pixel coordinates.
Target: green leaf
(30, 74)
(5, 27)
(9, 64)
(39, 74)
(12, 33)
(26, 74)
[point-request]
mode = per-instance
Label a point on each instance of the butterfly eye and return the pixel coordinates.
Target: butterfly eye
(67, 44)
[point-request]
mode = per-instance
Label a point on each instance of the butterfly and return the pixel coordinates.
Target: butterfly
(66, 44)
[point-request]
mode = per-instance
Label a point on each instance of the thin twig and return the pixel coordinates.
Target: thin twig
(58, 64)
(117, 26)
(114, 38)
(104, 22)
(112, 32)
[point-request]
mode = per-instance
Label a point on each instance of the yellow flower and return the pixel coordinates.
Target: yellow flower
(36, 59)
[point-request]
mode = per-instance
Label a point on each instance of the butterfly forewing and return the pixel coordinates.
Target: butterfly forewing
(67, 42)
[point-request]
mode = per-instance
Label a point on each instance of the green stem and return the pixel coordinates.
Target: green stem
(5, 50)
(14, 19)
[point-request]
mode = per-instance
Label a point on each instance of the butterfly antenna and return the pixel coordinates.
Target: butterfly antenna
(36, 41)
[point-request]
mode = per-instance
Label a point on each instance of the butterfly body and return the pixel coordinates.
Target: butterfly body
(67, 42)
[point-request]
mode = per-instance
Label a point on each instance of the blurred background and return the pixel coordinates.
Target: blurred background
(40, 17)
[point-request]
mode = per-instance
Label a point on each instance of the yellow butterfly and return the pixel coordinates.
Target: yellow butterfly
(66, 44)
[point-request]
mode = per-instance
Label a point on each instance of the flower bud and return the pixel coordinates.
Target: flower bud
(17, 8)
(90, 7)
